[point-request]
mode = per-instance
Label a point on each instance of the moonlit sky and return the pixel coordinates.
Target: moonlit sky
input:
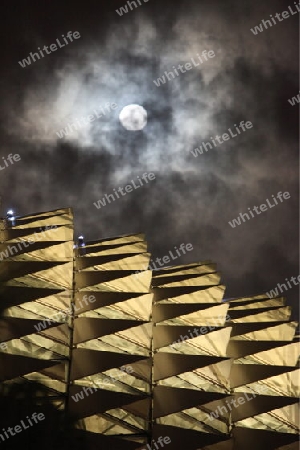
(192, 199)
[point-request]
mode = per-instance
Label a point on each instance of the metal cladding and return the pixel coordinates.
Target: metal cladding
(265, 375)
(134, 356)
(36, 276)
(111, 358)
(191, 367)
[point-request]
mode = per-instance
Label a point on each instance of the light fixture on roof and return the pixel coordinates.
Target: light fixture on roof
(81, 245)
(10, 217)
(81, 242)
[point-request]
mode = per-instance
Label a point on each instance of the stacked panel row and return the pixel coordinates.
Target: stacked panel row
(138, 357)
(265, 374)
(191, 367)
(110, 393)
(36, 277)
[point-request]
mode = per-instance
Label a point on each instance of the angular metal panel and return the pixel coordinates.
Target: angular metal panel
(140, 354)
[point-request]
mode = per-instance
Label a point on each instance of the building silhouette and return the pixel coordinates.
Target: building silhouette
(135, 356)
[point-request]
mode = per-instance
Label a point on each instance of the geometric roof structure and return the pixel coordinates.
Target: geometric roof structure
(132, 354)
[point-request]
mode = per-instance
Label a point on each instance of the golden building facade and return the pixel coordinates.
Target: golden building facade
(136, 356)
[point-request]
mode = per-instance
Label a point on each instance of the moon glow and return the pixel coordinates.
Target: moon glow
(133, 117)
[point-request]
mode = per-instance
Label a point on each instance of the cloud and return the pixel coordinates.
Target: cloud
(192, 199)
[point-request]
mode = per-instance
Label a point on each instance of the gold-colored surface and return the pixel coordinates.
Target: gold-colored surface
(187, 270)
(106, 250)
(131, 283)
(134, 341)
(135, 262)
(138, 365)
(204, 280)
(211, 378)
(57, 277)
(266, 303)
(195, 419)
(36, 275)
(287, 355)
(113, 422)
(115, 269)
(212, 294)
(19, 252)
(275, 315)
(282, 420)
(281, 332)
(285, 385)
(138, 308)
(212, 344)
(249, 299)
(213, 317)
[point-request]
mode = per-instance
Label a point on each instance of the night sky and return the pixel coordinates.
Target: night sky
(192, 199)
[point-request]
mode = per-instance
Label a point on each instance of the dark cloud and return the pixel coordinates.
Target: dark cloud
(192, 199)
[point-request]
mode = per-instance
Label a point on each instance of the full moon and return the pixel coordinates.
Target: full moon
(133, 117)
